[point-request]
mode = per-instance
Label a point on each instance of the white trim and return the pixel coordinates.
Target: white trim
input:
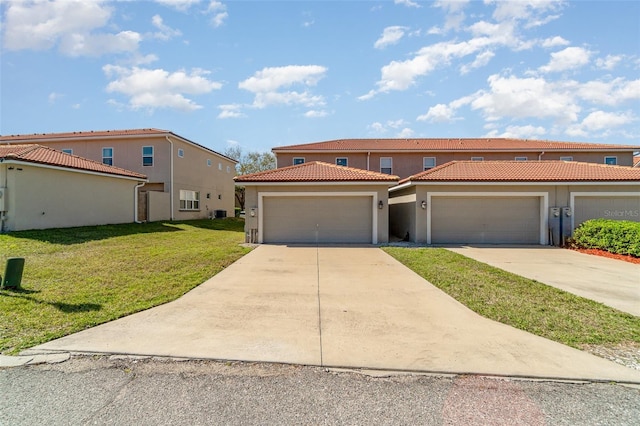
(573, 195)
(319, 183)
(544, 207)
(71, 169)
(103, 157)
(374, 207)
(523, 183)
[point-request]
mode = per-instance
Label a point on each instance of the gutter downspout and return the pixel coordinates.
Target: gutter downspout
(368, 155)
(540, 156)
(171, 187)
(135, 201)
(3, 184)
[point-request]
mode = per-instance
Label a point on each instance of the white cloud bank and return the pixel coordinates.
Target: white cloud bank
(390, 36)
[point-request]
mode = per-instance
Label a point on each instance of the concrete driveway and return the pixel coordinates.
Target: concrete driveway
(336, 307)
(612, 282)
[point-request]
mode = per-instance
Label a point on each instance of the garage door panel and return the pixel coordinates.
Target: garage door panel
(317, 219)
(485, 220)
(606, 207)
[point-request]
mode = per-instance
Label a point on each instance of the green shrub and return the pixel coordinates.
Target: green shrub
(237, 212)
(615, 236)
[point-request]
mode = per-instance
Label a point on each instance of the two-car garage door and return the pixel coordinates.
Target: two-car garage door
(485, 220)
(317, 219)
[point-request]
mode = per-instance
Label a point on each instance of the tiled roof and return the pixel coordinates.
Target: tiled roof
(525, 171)
(39, 154)
(317, 171)
(636, 161)
(442, 144)
(69, 135)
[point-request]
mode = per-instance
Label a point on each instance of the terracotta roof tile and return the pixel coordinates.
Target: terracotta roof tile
(39, 154)
(68, 135)
(442, 144)
(317, 171)
(525, 171)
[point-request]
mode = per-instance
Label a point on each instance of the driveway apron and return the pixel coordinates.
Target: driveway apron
(353, 307)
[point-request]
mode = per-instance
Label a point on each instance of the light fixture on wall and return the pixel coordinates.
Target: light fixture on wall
(253, 212)
(423, 204)
(380, 204)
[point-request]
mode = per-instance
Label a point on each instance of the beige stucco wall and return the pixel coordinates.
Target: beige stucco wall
(382, 193)
(40, 198)
(409, 216)
(157, 205)
(407, 164)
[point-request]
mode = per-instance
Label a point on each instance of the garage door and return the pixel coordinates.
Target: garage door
(606, 207)
(485, 220)
(332, 219)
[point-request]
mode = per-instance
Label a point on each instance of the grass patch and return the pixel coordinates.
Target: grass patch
(76, 278)
(520, 302)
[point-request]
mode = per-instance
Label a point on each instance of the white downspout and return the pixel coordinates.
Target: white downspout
(171, 187)
(540, 156)
(135, 202)
(368, 155)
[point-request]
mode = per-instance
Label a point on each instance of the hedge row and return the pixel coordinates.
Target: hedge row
(615, 236)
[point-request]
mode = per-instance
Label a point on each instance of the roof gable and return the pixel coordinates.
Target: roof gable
(525, 171)
(317, 171)
(442, 144)
(39, 154)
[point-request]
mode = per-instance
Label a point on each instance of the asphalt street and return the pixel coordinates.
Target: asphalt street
(128, 391)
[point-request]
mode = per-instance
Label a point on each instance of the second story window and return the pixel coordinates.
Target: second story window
(298, 160)
(68, 151)
(147, 156)
(477, 158)
(107, 156)
(612, 161)
(428, 163)
(521, 158)
(341, 161)
(180, 152)
(386, 165)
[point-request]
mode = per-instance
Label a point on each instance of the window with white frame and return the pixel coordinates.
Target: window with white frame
(189, 200)
(386, 165)
(521, 159)
(68, 151)
(147, 156)
(342, 161)
(566, 158)
(228, 169)
(477, 158)
(298, 160)
(208, 162)
(219, 166)
(107, 156)
(428, 163)
(180, 152)
(611, 161)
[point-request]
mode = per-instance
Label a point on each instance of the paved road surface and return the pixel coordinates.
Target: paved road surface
(111, 391)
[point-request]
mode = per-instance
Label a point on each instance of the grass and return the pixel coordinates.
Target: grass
(520, 302)
(76, 278)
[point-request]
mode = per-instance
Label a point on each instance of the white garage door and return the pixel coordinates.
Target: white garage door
(485, 220)
(309, 219)
(606, 207)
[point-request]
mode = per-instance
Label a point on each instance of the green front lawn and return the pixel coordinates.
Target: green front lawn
(77, 278)
(520, 302)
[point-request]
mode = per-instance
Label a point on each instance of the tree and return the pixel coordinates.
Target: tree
(249, 162)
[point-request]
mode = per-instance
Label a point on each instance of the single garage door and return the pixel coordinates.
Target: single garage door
(606, 207)
(485, 220)
(334, 219)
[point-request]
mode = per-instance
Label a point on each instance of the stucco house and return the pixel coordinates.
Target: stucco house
(317, 202)
(43, 188)
(185, 180)
(496, 202)
(406, 157)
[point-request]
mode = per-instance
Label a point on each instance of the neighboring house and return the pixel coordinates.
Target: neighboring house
(497, 202)
(43, 188)
(636, 161)
(317, 203)
(186, 180)
(406, 157)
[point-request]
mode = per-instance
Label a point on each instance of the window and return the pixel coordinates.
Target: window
(386, 165)
(341, 161)
(68, 151)
(428, 163)
(219, 166)
(189, 200)
(180, 152)
(612, 161)
(147, 156)
(521, 158)
(107, 156)
(228, 169)
(566, 158)
(298, 160)
(208, 162)
(477, 158)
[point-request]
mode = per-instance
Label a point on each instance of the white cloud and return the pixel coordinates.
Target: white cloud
(611, 93)
(53, 97)
(70, 25)
(454, 15)
(481, 60)
(405, 133)
(439, 113)
(519, 132)
(316, 114)
(166, 32)
(609, 62)
(599, 120)
(567, 59)
(267, 83)
(554, 41)
(181, 5)
(407, 3)
(390, 36)
(230, 111)
(389, 125)
(219, 12)
(533, 12)
(157, 88)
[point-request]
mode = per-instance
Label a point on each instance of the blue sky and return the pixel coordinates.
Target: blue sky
(260, 74)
